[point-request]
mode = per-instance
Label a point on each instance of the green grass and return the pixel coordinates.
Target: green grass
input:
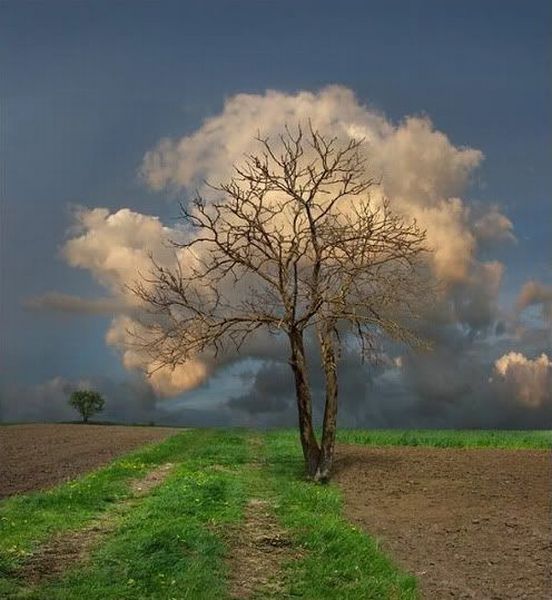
(447, 438)
(26, 520)
(167, 546)
(339, 561)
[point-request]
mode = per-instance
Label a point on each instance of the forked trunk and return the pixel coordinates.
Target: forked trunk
(298, 362)
(327, 352)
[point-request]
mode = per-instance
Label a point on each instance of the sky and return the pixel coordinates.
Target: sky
(456, 98)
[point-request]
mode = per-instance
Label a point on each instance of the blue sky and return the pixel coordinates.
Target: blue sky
(88, 87)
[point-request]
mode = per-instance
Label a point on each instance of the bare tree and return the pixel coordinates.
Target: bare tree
(294, 241)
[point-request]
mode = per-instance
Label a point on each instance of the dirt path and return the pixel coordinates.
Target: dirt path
(41, 456)
(467, 523)
(259, 547)
(258, 551)
(62, 552)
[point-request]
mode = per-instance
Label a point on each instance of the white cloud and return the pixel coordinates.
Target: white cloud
(530, 380)
(166, 381)
(115, 247)
(422, 172)
(448, 236)
(224, 139)
(420, 165)
(424, 176)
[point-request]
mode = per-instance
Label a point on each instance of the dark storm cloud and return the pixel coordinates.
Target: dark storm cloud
(272, 391)
(131, 400)
(43, 402)
(454, 385)
(66, 303)
(476, 300)
(534, 293)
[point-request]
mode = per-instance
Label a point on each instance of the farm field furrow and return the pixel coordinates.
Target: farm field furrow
(39, 456)
(467, 523)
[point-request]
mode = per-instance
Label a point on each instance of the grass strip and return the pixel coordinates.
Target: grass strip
(338, 560)
(170, 545)
(26, 520)
(443, 438)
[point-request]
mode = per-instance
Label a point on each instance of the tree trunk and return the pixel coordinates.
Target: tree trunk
(85, 418)
(328, 356)
(298, 362)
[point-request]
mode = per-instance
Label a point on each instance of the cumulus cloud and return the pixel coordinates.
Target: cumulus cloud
(531, 379)
(422, 172)
(424, 175)
(416, 161)
(116, 247)
(421, 165)
(166, 381)
(224, 139)
(448, 236)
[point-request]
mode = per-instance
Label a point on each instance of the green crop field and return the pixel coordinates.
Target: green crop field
(446, 438)
(174, 541)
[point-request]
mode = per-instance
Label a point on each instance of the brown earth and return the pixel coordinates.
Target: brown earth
(466, 523)
(40, 456)
(259, 547)
(257, 553)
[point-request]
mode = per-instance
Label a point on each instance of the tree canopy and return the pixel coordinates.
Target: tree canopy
(87, 402)
(300, 238)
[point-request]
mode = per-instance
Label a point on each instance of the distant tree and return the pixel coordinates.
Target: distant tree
(297, 227)
(87, 402)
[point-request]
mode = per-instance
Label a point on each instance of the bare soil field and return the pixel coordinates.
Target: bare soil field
(467, 523)
(39, 456)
